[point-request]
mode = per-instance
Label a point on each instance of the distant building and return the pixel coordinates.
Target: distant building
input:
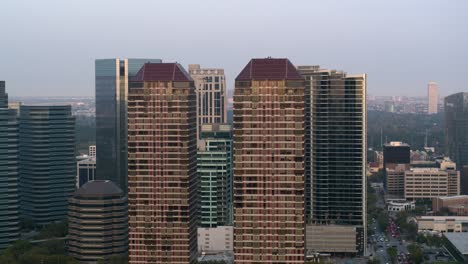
(428, 183)
(395, 180)
(112, 78)
(457, 205)
(216, 240)
(210, 88)
(9, 173)
(97, 222)
(86, 171)
(92, 151)
(214, 169)
(162, 165)
(402, 205)
(442, 224)
(456, 128)
(47, 162)
(335, 158)
(395, 153)
(432, 98)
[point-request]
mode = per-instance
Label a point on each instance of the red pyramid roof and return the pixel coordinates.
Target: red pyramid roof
(269, 69)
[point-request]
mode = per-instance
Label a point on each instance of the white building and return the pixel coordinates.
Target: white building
(442, 224)
(92, 151)
(398, 206)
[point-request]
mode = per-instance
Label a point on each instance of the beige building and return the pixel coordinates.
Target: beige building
(442, 223)
(432, 97)
(210, 88)
(455, 204)
(216, 240)
(427, 183)
(396, 180)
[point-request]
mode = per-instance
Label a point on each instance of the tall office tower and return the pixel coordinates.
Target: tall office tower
(97, 222)
(456, 133)
(214, 169)
(112, 76)
(162, 165)
(269, 139)
(47, 162)
(210, 87)
(9, 196)
(432, 98)
(337, 127)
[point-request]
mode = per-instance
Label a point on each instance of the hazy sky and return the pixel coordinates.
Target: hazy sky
(48, 47)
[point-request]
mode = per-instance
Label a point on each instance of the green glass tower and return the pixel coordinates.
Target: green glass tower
(9, 198)
(47, 162)
(214, 168)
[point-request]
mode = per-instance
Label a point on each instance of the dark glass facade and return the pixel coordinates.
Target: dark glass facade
(47, 162)
(112, 76)
(337, 149)
(9, 194)
(396, 154)
(456, 127)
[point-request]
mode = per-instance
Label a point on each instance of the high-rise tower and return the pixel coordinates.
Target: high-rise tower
(337, 129)
(432, 98)
(9, 194)
(162, 165)
(269, 163)
(47, 162)
(112, 76)
(456, 131)
(214, 169)
(210, 87)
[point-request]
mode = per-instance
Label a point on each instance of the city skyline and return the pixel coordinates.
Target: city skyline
(431, 30)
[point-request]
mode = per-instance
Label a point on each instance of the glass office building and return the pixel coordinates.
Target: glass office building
(47, 162)
(337, 131)
(9, 196)
(112, 76)
(214, 169)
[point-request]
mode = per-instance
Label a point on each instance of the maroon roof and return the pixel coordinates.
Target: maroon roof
(269, 69)
(162, 72)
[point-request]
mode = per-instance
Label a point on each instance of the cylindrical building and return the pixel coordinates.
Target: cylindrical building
(97, 222)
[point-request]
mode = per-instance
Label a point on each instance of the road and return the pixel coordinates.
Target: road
(382, 239)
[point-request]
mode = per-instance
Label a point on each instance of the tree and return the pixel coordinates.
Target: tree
(392, 253)
(373, 261)
(416, 253)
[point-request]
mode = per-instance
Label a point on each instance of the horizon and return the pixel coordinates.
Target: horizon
(55, 44)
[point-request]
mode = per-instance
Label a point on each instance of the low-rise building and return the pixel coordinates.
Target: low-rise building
(401, 205)
(442, 224)
(457, 205)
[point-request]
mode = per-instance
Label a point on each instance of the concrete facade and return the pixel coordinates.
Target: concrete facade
(216, 240)
(443, 224)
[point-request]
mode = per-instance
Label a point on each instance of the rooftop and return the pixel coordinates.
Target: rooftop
(162, 72)
(459, 240)
(269, 69)
(98, 189)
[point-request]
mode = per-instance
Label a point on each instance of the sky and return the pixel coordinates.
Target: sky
(48, 48)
